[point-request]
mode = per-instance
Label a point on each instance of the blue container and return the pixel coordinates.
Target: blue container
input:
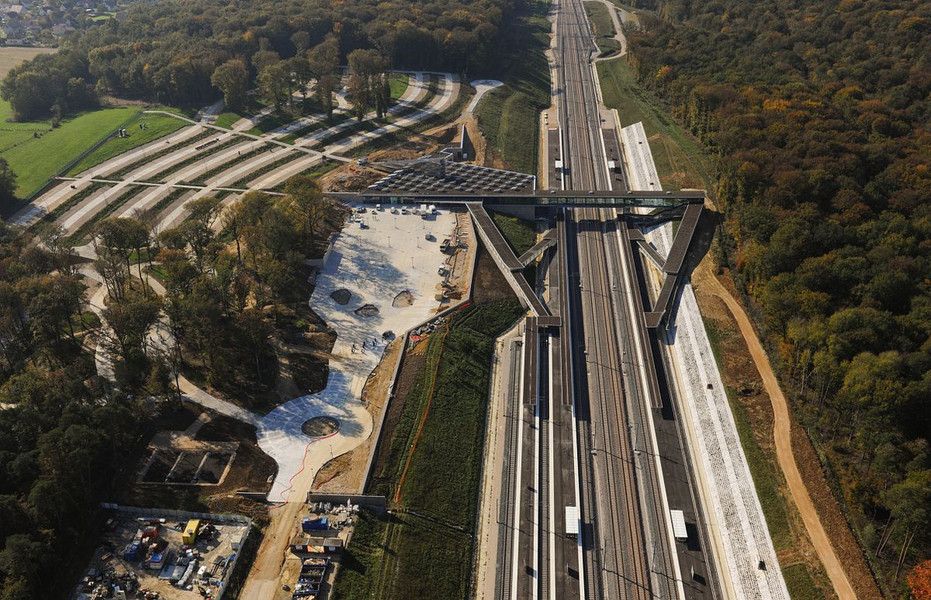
(308, 524)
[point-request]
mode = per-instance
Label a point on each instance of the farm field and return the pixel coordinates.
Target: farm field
(14, 56)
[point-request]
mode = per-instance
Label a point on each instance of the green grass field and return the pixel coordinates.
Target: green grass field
(272, 121)
(13, 134)
(603, 27)
(765, 479)
(800, 583)
(37, 159)
(509, 115)
(399, 83)
(157, 126)
(361, 559)
(425, 550)
(678, 157)
(227, 119)
(6, 113)
(519, 233)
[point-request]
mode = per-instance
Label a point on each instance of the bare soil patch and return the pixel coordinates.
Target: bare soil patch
(320, 426)
(488, 283)
(249, 470)
(308, 372)
(252, 470)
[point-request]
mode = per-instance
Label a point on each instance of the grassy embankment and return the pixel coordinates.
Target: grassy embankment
(156, 126)
(508, 116)
(398, 83)
(767, 479)
(678, 157)
(226, 119)
(425, 549)
(603, 28)
(519, 233)
(36, 159)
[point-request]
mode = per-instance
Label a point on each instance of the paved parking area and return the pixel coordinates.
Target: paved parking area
(374, 264)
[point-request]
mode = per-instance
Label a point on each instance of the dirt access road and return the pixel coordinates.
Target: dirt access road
(782, 436)
(263, 580)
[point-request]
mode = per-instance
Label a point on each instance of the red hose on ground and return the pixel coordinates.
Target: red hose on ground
(436, 371)
(304, 460)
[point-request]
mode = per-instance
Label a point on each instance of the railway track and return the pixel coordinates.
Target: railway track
(503, 575)
(620, 545)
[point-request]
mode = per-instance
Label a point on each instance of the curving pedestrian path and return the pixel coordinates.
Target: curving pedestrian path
(60, 193)
(375, 264)
(443, 100)
(414, 93)
(77, 216)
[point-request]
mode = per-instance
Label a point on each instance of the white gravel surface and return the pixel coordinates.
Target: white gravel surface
(374, 264)
(736, 511)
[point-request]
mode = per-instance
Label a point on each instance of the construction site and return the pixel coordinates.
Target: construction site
(168, 557)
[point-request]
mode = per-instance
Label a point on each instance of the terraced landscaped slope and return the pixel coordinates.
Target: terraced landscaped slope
(199, 160)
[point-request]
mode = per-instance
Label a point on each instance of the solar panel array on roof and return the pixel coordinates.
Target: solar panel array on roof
(441, 176)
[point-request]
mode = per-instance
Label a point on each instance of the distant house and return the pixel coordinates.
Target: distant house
(60, 30)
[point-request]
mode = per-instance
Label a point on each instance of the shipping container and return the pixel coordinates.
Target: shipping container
(308, 524)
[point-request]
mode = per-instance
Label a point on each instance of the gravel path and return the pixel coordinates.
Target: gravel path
(783, 439)
(482, 87)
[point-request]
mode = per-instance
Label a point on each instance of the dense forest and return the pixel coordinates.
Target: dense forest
(225, 283)
(818, 115)
(168, 51)
(62, 433)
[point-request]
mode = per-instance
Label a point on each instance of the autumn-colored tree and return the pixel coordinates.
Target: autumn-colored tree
(232, 79)
(919, 581)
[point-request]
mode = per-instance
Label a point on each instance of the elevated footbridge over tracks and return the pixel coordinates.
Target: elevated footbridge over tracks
(630, 199)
